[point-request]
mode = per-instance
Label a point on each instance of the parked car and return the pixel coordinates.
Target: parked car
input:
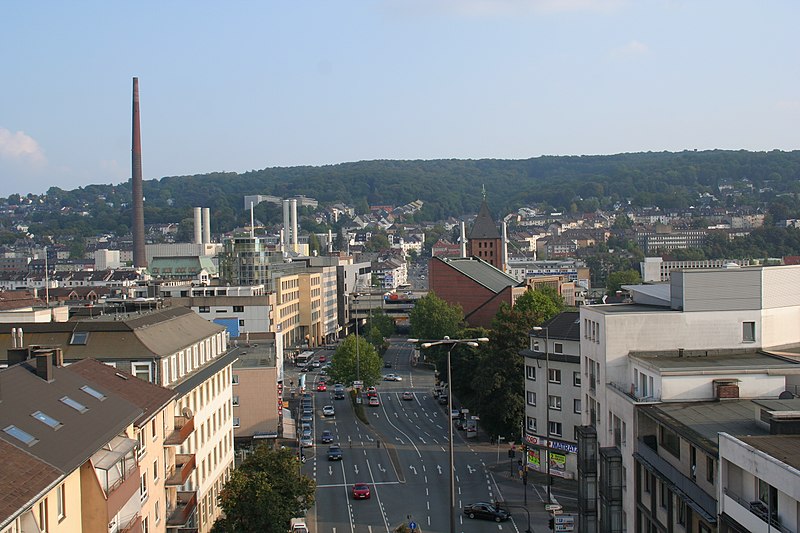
(307, 418)
(373, 401)
(322, 358)
(328, 410)
(334, 453)
(408, 396)
(326, 437)
(361, 491)
(392, 377)
(486, 511)
(306, 439)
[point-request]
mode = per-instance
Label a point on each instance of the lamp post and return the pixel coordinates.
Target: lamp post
(447, 341)
(547, 403)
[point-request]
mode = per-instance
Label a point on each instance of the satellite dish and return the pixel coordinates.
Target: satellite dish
(187, 412)
(786, 395)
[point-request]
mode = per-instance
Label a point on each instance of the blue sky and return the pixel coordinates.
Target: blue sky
(242, 85)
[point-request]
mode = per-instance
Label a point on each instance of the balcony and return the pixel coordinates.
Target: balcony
(117, 472)
(631, 392)
(181, 470)
(134, 525)
(184, 426)
(752, 515)
(182, 515)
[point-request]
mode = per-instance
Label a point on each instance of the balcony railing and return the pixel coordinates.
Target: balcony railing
(184, 465)
(182, 514)
(630, 392)
(758, 509)
(184, 426)
(131, 526)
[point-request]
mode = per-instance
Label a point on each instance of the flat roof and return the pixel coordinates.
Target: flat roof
(720, 360)
(615, 309)
(785, 448)
(260, 354)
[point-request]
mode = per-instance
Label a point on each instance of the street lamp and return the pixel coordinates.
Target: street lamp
(447, 341)
(546, 405)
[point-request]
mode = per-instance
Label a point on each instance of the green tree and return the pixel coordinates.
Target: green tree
(380, 326)
(377, 242)
(313, 244)
(623, 277)
(350, 363)
(433, 318)
(265, 493)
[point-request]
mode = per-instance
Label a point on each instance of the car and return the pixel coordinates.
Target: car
(306, 439)
(326, 437)
(387, 364)
(455, 413)
(392, 377)
(334, 453)
(361, 491)
(323, 375)
(322, 358)
(443, 399)
(307, 418)
(372, 391)
(373, 401)
(486, 511)
(305, 426)
(328, 410)
(321, 386)
(315, 364)
(306, 368)
(408, 396)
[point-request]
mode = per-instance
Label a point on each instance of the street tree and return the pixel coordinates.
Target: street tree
(350, 364)
(265, 493)
(432, 318)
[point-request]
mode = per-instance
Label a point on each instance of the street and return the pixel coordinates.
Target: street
(403, 456)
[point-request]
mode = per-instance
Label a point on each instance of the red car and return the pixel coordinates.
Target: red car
(372, 391)
(321, 386)
(360, 491)
(322, 358)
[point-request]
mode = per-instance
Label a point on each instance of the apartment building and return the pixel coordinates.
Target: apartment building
(174, 348)
(626, 351)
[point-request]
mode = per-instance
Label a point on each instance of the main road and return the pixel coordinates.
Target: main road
(402, 455)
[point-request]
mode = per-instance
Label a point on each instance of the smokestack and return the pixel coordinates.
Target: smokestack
(139, 257)
(285, 241)
(252, 224)
(198, 225)
(295, 246)
(330, 242)
(504, 256)
(463, 240)
(206, 225)
(14, 337)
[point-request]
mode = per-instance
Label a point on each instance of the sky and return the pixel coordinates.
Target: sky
(241, 85)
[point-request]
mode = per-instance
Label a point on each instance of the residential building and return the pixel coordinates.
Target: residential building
(257, 409)
(656, 269)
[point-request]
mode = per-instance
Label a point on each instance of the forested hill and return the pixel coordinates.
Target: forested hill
(452, 187)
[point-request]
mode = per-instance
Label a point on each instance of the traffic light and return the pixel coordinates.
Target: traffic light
(551, 524)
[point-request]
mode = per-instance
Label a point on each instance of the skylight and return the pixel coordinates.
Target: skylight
(75, 405)
(93, 393)
(23, 436)
(47, 419)
(79, 337)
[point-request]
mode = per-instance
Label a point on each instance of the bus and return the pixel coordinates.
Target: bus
(303, 359)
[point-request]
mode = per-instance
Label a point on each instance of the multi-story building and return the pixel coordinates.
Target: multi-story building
(174, 348)
(655, 269)
(553, 396)
(522, 269)
(659, 348)
(257, 409)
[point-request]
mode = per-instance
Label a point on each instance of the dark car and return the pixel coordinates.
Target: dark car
(387, 364)
(334, 453)
(327, 437)
(486, 511)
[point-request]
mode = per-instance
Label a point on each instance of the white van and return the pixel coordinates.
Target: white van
(298, 525)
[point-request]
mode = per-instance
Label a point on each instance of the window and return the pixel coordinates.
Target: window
(531, 424)
(531, 396)
(530, 372)
(576, 379)
(47, 419)
(43, 525)
(61, 502)
(647, 481)
(157, 513)
(554, 402)
(748, 332)
(153, 428)
(576, 406)
(670, 441)
(558, 347)
(93, 393)
(554, 375)
(664, 494)
(235, 379)
(682, 512)
(710, 470)
(235, 401)
(145, 525)
(236, 421)
(155, 471)
(21, 435)
(205, 309)
(79, 337)
(241, 323)
(142, 443)
(75, 405)
(142, 371)
(554, 429)
(143, 487)
(238, 309)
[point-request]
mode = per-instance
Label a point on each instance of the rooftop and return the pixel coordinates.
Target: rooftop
(785, 448)
(697, 360)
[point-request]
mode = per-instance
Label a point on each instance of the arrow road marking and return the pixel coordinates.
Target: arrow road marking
(330, 470)
(412, 469)
(382, 469)
(471, 470)
(398, 439)
(439, 468)
(356, 467)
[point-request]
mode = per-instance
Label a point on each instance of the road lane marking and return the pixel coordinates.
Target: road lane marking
(439, 468)
(378, 497)
(413, 469)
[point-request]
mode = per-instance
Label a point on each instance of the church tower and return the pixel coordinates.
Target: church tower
(485, 241)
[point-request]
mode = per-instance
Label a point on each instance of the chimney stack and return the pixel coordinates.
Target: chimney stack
(463, 240)
(295, 245)
(198, 225)
(139, 257)
(206, 225)
(285, 242)
(44, 365)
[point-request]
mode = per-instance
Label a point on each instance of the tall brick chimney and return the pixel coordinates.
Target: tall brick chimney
(139, 257)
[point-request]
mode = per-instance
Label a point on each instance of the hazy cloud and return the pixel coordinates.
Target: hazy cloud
(481, 8)
(788, 105)
(20, 147)
(630, 50)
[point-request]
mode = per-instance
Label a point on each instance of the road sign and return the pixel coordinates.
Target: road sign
(564, 523)
(566, 519)
(412, 526)
(358, 384)
(552, 507)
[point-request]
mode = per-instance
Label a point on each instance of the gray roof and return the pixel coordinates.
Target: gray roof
(210, 369)
(484, 227)
(785, 448)
(697, 360)
(565, 325)
(152, 334)
(481, 272)
(80, 435)
(260, 354)
(23, 478)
